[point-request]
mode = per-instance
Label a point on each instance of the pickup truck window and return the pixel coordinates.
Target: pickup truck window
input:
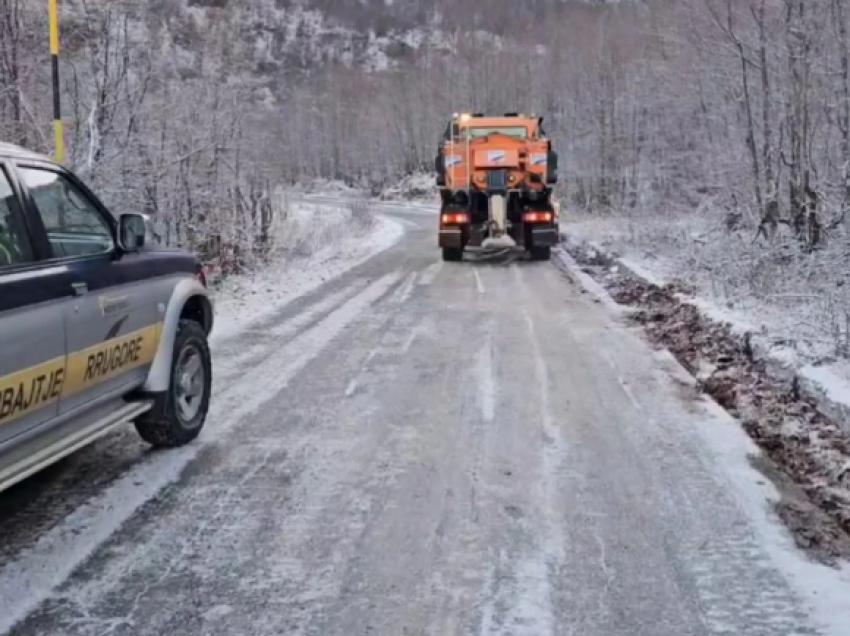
(74, 226)
(14, 244)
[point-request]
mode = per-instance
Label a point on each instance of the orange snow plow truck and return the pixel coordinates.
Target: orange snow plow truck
(496, 175)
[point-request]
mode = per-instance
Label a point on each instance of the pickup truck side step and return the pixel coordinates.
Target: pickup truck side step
(35, 459)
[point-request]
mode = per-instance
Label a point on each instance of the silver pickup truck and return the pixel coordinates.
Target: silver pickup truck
(97, 329)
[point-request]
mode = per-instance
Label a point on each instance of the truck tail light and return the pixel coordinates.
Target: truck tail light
(457, 218)
(201, 275)
(537, 217)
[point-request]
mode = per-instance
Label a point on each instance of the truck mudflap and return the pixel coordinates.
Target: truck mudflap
(544, 236)
(451, 237)
(453, 224)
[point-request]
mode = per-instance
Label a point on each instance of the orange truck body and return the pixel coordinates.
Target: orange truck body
(496, 176)
(468, 157)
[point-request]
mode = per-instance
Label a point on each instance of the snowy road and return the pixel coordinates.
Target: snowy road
(420, 448)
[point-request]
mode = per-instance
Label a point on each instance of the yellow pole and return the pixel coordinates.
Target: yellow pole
(54, 63)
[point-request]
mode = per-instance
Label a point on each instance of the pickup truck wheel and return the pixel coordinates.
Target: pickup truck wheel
(541, 253)
(452, 254)
(178, 415)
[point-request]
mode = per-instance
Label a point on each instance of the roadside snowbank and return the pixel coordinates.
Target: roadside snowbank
(799, 424)
(687, 342)
(419, 187)
(797, 305)
(323, 186)
(245, 299)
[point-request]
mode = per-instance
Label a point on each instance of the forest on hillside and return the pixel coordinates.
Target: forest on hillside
(196, 111)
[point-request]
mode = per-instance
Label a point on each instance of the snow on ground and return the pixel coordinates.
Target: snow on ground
(797, 303)
(798, 412)
(419, 187)
(323, 186)
(321, 243)
(736, 451)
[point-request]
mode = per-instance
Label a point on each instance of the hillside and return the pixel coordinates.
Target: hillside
(287, 56)
(647, 101)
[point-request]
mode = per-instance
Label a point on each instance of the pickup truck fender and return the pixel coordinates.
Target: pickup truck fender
(188, 294)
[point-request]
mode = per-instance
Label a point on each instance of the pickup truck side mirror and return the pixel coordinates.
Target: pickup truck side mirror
(132, 229)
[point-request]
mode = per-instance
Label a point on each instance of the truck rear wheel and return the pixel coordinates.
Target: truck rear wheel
(540, 252)
(452, 254)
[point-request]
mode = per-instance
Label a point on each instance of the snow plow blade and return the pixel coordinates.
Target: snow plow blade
(498, 242)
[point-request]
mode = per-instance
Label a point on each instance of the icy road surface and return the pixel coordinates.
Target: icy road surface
(420, 448)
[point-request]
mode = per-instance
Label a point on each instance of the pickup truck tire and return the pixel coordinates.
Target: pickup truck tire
(540, 253)
(178, 414)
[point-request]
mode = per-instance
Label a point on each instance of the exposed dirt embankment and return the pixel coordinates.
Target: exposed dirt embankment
(808, 453)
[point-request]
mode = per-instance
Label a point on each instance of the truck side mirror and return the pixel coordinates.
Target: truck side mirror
(132, 229)
(551, 167)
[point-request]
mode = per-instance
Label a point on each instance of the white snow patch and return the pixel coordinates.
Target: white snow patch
(352, 387)
(430, 273)
(227, 365)
(791, 334)
(405, 290)
(824, 589)
(29, 579)
(837, 389)
(530, 611)
(411, 339)
(641, 271)
(487, 381)
(739, 324)
(248, 299)
(412, 207)
(595, 289)
(217, 611)
(415, 187)
(408, 224)
(478, 282)
(323, 187)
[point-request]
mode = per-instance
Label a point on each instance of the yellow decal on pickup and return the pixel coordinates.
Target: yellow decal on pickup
(43, 384)
(31, 389)
(111, 358)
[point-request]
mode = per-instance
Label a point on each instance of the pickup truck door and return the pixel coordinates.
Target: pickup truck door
(111, 323)
(32, 337)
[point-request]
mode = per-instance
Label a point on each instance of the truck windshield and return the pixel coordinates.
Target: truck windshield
(520, 132)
